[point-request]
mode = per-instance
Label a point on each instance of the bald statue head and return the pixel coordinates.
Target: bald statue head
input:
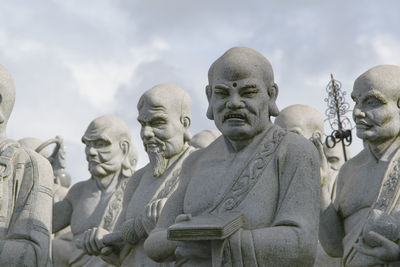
(301, 119)
(7, 99)
(204, 138)
(109, 148)
(165, 114)
(241, 93)
(376, 94)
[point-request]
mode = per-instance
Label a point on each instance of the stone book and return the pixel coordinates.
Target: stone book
(206, 227)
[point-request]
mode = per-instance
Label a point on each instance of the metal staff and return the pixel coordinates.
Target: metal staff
(337, 108)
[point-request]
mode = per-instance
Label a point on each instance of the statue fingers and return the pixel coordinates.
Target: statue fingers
(86, 242)
(148, 209)
(98, 238)
(92, 242)
(160, 206)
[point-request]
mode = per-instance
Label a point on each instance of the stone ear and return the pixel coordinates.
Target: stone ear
(273, 94)
(186, 121)
(209, 114)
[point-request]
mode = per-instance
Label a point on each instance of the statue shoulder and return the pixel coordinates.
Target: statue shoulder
(294, 143)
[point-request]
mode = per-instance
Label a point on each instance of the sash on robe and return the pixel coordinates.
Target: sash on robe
(223, 253)
(387, 201)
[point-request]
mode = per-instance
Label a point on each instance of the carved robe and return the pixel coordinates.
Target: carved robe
(150, 189)
(89, 206)
(382, 176)
(274, 182)
(26, 199)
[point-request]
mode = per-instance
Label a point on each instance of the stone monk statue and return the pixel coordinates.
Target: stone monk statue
(362, 223)
(26, 194)
(311, 125)
(257, 187)
(165, 115)
(97, 202)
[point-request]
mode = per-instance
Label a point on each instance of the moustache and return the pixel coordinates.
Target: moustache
(154, 144)
(235, 115)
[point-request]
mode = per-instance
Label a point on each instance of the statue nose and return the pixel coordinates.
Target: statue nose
(358, 113)
(234, 102)
(147, 132)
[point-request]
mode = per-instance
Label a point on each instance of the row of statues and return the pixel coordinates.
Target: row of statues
(254, 193)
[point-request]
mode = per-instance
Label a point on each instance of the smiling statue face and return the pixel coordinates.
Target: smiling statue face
(376, 111)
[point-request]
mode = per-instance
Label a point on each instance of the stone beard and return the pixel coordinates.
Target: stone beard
(155, 148)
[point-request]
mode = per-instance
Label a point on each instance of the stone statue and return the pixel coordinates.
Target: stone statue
(308, 122)
(165, 114)
(361, 224)
(26, 194)
(62, 180)
(204, 138)
(96, 202)
(256, 188)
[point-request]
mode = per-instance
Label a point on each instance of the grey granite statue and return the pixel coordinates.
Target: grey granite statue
(165, 114)
(251, 198)
(308, 122)
(362, 222)
(204, 138)
(96, 202)
(62, 180)
(26, 194)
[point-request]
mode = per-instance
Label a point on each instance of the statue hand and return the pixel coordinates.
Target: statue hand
(386, 251)
(92, 241)
(193, 249)
(153, 210)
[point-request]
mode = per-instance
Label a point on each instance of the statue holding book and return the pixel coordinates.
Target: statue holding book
(250, 198)
(362, 223)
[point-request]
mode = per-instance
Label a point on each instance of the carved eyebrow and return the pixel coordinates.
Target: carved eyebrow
(221, 86)
(375, 94)
(249, 86)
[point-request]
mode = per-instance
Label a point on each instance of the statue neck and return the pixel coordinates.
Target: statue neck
(107, 182)
(378, 149)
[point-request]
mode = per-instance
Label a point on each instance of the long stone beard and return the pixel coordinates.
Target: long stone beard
(158, 162)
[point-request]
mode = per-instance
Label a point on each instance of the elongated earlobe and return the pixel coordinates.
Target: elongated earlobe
(273, 94)
(209, 113)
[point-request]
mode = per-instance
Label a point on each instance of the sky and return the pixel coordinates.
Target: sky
(73, 61)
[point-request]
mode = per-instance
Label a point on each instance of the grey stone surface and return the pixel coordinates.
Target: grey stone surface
(358, 223)
(308, 122)
(204, 138)
(165, 116)
(26, 194)
(96, 203)
(255, 168)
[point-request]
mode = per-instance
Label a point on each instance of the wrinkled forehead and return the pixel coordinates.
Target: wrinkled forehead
(224, 71)
(97, 131)
(157, 105)
(378, 84)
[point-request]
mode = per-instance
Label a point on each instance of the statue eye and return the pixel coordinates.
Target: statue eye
(249, 93)
(100, 143)
(221, 92)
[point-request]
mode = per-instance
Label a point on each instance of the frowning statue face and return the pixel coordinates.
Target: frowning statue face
(164, 123)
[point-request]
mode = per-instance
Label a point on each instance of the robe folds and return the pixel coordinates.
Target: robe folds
(274, 182)
(26, 200)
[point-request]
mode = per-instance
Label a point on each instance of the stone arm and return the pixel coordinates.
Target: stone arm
(157, 246)
(291, 239)
(62, 210)
(27, 242)
(331, 228)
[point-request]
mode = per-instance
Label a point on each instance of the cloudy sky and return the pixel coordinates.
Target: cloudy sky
(75, 60)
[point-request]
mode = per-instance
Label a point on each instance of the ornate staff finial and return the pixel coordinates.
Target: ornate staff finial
(337, 108)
